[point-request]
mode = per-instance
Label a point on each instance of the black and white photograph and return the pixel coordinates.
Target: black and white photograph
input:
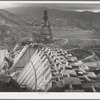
(49, 47)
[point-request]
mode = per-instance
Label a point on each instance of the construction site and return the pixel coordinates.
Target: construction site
(38, 65)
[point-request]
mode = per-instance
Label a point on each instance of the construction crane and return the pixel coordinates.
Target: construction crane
(46, 34)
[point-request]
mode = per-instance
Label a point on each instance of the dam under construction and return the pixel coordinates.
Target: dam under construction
(41, 66)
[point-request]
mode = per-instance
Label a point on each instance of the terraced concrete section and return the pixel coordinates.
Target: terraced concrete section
(69, 74)
(54, 70)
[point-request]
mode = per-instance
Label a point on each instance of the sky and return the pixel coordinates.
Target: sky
(69, 6)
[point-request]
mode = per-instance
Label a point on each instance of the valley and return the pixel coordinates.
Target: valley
(59, 50)
(73, 32)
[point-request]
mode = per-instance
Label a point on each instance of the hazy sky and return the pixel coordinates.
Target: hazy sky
(78, 7)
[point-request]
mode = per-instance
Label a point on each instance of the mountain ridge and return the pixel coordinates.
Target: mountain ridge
(84, 20)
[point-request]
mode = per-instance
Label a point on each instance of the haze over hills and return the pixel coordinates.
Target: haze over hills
(84, 20)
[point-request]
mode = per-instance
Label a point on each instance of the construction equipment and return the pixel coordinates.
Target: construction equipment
(45, 33)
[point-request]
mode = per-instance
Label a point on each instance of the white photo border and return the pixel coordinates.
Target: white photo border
(48, 95)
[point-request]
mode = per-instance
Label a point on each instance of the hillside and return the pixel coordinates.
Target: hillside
(10, 19)
(10, 35)
(13, 29)
(85, 20)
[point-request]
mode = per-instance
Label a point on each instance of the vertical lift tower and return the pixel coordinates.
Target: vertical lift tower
(45, 33)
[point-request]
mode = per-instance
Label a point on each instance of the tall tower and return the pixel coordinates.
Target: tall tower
(46, 34)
